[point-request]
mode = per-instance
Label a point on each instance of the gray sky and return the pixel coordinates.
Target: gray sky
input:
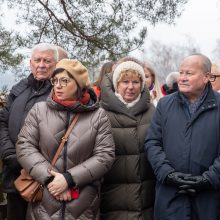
(200, 21)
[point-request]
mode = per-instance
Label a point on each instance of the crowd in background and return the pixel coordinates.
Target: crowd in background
(140, 149)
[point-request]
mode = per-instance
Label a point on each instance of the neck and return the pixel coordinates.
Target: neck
(151, 87)
(193, 97)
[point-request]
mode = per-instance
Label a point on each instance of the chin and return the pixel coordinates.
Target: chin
(184, 89)
(60, 98)
(41, 78)
(129, 100)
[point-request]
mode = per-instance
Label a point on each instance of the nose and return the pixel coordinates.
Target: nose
(42, 64)
(182, 77)
(130, 85)
(58, 85)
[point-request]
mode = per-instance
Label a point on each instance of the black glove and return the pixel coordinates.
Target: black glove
(199, 182)
(186, 190)
(178, 179)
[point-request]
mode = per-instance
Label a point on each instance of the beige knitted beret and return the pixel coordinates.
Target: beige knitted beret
(77, 70)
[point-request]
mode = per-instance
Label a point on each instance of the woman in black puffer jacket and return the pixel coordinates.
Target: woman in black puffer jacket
(128, 188)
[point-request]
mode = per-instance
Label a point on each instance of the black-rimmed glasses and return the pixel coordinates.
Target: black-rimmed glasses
(212, 77)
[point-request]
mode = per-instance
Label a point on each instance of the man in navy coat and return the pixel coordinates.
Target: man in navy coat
(183, 146)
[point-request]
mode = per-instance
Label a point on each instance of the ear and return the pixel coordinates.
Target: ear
(30, 62)
(206, 77)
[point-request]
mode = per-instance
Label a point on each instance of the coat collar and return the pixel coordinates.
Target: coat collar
(110, 102)
(91, 106)
(208, 103)
(209, 99)
(32, 83)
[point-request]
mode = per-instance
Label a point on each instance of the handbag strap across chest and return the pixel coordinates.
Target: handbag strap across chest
(64, 139)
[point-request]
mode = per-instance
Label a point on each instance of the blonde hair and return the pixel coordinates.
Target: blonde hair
(156, 84)
(129, 73)
(128, 66)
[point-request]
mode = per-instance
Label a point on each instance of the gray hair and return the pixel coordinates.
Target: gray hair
(206, 62)
(62, 53)
(172, 78)
(216, 63)
(45, 47)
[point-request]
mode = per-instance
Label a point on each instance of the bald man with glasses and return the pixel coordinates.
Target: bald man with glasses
(214, 77)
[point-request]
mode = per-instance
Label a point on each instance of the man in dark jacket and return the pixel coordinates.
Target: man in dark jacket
(22, 97)
(183, 146)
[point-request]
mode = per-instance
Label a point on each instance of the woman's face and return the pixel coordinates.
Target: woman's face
(65, 88)
(148, 78)
(129, 87)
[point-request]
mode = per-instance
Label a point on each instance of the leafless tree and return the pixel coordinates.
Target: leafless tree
(166, 58)
(93, 30)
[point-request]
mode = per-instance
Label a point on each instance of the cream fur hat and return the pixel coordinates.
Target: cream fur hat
(128, 65)
(77, 70)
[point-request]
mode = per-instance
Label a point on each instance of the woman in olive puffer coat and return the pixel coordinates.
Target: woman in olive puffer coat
(128, 188)
(87, 155)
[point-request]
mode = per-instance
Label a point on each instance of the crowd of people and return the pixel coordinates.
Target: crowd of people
(138, 151)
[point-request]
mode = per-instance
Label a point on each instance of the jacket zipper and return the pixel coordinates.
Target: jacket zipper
(65, 162)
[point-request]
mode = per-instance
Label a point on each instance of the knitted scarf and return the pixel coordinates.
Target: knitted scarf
(71, 102)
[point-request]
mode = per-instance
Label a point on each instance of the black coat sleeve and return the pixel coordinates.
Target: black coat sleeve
(7, 148)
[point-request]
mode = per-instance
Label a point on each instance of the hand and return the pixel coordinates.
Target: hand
(186, 190)
(199, 182)
(177, 179)
(65, 196)
(58, 185)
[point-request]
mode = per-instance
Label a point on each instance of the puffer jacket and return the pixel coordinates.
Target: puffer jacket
(87, 156)
(128, 188)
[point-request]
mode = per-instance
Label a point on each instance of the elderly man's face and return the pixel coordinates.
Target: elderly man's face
(42, 64)
(193, 79)
(216, 83)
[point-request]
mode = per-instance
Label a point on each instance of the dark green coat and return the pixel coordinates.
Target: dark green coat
(128, 189)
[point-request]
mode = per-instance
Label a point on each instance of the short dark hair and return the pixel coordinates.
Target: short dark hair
(105, 69)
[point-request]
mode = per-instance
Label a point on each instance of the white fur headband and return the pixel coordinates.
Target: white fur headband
(127, 65)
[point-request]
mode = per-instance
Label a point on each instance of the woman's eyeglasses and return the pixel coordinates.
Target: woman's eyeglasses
(62, 81)
(212, 77)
